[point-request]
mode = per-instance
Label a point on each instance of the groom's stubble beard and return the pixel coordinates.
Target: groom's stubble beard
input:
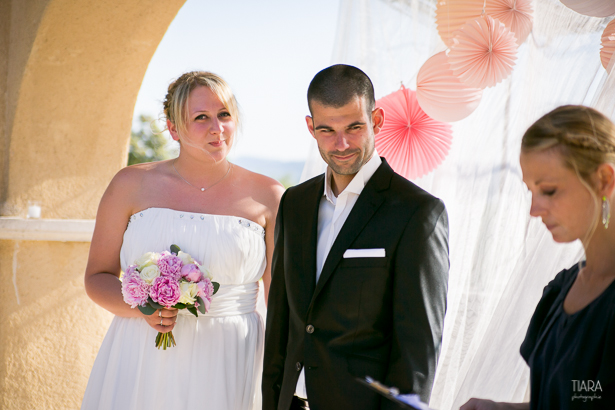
(353, 168)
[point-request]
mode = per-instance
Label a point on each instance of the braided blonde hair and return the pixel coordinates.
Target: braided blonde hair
(176, 100)
(583, 136)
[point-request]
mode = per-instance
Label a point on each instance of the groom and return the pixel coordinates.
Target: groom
(360, 266)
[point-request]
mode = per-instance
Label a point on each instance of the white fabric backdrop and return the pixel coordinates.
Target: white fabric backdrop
(500, 258)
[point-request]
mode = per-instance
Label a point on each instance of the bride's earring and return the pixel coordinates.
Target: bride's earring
(606, 212)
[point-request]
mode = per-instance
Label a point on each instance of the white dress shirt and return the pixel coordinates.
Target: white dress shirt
(332, 213)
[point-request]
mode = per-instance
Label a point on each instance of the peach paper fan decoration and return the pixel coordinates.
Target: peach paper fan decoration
(608, 44)
(516, 15)
(452, 14)
(442, 95)
(413, 143)
(483, 52)
(593, 8)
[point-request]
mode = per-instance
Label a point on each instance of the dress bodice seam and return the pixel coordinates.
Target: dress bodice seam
(246, 222)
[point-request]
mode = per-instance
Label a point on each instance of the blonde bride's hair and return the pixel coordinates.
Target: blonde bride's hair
(176, 100)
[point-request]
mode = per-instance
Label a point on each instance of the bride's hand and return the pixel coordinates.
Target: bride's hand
(163, 320)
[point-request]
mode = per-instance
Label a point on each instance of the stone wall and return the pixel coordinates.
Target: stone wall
(70, 72)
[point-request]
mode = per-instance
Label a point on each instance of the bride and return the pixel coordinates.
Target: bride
(222, 215)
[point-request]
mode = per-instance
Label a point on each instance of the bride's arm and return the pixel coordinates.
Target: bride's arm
(267, 273)
(103, 269)
(272, 211)
(102, 273)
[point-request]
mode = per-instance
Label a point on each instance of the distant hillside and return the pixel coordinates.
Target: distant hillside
(288, 173)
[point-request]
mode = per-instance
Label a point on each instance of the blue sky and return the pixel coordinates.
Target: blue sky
(267, 50)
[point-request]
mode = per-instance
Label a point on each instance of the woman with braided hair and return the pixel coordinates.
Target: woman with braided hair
(568, 163)
(220, 214)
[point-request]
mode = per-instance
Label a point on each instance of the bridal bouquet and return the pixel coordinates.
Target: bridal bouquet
(168, 279)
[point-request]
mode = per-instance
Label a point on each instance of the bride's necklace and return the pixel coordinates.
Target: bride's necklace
(202, 189)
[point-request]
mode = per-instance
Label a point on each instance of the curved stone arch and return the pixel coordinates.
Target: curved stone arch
(70, 72)
(72, 95)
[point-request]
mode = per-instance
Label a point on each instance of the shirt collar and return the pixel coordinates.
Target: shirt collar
(358, 182)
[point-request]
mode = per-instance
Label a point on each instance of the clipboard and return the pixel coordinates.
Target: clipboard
(404, 401)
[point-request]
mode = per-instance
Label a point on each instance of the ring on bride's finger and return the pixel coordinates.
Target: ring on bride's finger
(160, 321)
(160, 313)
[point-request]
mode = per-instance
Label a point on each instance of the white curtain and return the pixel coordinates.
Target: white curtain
(500, 257)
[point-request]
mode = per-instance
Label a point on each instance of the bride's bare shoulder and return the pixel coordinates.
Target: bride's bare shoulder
(264, 189)
(127, 184)
(138, 173)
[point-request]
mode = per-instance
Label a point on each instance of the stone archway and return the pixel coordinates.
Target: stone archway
(70, 72)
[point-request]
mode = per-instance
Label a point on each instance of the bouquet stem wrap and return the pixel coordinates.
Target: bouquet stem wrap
(165, 340)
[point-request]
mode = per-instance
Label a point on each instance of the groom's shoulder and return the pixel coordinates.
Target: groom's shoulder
(407, 194)
(307, 187)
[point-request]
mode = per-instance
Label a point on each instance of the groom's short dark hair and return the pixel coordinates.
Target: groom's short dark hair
(337, 85)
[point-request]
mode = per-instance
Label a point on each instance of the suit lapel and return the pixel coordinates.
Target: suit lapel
(366, 206)
(310, 235)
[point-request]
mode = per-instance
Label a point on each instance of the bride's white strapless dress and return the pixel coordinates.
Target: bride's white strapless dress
(217, 362)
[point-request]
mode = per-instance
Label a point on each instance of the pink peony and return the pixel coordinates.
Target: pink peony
(206, 289)
(191, 272)
(130, 271)
(165, 291)
(169, 265)
(207, 304)
(134, 289)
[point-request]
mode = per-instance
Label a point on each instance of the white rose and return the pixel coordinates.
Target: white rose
(188, 292)
(149, 273)
(186, 258)
(149, 258)
(206, 272)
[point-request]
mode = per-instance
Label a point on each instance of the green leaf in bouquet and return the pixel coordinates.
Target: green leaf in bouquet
(179, 306)
(153, 304)
(147, 310)
(192, 310)
(201, 305)
(216, 286)
(175, 249)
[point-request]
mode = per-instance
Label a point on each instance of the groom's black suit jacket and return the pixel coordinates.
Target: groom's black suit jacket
(381, 317)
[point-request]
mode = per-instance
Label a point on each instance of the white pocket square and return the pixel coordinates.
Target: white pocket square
(365, 253)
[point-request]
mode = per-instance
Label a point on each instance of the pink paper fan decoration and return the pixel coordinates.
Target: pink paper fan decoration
(483, 52)
(608, 44)
(412, 142)
(441, 95)
(593, 8)
(515, 14)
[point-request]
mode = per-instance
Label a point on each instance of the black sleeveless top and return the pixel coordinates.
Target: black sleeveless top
(571, 357)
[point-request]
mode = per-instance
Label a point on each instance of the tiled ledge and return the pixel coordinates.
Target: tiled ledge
(62, 230)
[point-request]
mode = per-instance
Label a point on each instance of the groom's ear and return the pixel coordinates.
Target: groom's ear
(310, 124)
(377, 119)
